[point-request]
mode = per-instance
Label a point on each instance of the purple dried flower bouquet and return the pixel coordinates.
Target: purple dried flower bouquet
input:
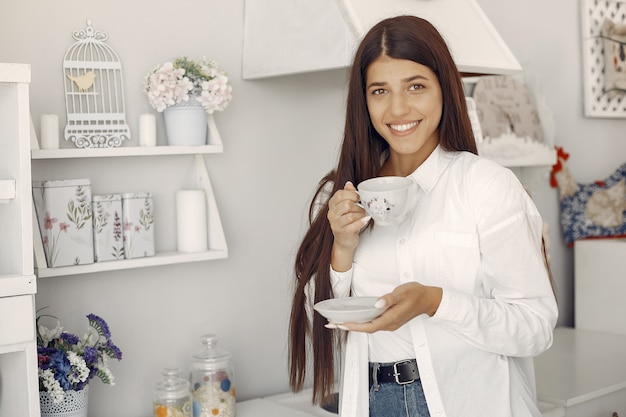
(68, 363)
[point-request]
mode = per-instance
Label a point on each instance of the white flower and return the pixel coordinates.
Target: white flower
(108, 375)
(91, 337)
(47, 335)
(52, 385)
(79, 367)
(174, 82)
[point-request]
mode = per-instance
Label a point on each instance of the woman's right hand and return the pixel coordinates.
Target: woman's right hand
(346, 220)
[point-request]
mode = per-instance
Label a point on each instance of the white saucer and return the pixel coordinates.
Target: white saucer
(349, 309)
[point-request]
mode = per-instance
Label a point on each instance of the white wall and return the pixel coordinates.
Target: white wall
(280, 136)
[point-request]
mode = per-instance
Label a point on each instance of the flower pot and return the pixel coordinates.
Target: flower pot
(74, 404)
(186, 124)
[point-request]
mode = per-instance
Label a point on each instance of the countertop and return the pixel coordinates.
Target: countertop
(580, 366)
(299, 405)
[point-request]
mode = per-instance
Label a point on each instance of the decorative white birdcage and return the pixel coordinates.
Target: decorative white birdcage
(94, 93)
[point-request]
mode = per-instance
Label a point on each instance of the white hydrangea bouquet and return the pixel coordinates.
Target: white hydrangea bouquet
(176, 82)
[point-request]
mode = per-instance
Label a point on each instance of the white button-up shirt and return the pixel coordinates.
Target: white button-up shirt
(475, 233)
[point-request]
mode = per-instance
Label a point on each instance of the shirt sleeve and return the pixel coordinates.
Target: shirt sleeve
(517, 312)
(341, 282)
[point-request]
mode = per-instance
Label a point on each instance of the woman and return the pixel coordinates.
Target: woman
(468, 292)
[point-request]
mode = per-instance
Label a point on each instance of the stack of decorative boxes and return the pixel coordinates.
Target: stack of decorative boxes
(78, 229)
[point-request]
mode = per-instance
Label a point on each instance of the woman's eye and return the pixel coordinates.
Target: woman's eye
(415, 87)
(378, 91)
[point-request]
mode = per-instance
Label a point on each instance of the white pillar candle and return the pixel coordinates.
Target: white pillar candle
(191, 221)
(147, 130)
(49, 131)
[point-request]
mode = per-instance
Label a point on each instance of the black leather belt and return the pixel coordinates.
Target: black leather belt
(402, 372)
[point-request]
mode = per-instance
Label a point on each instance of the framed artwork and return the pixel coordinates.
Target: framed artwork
(511, 126)
(604, 57)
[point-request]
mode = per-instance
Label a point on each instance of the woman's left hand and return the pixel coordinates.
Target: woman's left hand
(405, 302)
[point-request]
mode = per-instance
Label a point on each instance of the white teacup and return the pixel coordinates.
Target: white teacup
(388, 200)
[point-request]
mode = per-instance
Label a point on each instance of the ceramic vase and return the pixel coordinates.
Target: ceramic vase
(74, 404)
(186, 124)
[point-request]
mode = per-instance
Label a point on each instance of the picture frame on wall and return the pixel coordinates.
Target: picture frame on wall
(604, 57)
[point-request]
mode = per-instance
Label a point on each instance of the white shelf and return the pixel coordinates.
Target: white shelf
(72, 153)
(164, 258)
(540, 159)
(513, 152)
(216, 239)
(11, 285)
(14, 73)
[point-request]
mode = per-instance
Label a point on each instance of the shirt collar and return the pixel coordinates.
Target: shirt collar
(427, 174)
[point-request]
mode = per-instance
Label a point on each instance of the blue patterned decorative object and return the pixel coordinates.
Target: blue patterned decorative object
(594, 210)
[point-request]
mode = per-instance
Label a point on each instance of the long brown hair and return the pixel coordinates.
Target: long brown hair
(402, 37)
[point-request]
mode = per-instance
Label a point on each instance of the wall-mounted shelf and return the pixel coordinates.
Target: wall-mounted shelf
(216, 240)
(163, 258)
(124, 151)
(515, 153)
(17, 284)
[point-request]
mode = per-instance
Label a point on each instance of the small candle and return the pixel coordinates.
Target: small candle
(49, 131)
(147, 130)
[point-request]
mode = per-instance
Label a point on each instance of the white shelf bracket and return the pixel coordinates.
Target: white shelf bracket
(217, 239)
(38, 252)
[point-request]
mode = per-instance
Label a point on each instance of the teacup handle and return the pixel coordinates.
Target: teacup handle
(358, 203)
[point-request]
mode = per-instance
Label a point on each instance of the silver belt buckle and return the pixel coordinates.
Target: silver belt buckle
(396, 373)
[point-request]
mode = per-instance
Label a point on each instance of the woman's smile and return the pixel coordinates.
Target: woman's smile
(403, 128)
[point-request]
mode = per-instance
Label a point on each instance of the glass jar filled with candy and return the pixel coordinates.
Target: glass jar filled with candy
(172, 397)
(212, 380)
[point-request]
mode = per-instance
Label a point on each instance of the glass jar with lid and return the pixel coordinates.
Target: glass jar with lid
(172, 396)
(212, 380)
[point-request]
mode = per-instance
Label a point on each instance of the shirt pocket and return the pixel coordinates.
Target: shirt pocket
(458, 260)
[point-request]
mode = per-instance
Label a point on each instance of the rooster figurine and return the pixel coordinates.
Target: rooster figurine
(83, 82)
(590, 210)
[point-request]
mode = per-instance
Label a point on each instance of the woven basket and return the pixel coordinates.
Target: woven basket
(74, 404)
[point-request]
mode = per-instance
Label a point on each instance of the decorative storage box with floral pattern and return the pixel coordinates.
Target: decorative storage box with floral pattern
(138, 225)
(108, 232)
(64, 214)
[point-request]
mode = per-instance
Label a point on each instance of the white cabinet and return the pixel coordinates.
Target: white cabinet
(585, 369)
(157, 159)
(18, 350)
(284, 37)
(584, 372)
(600, 285)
